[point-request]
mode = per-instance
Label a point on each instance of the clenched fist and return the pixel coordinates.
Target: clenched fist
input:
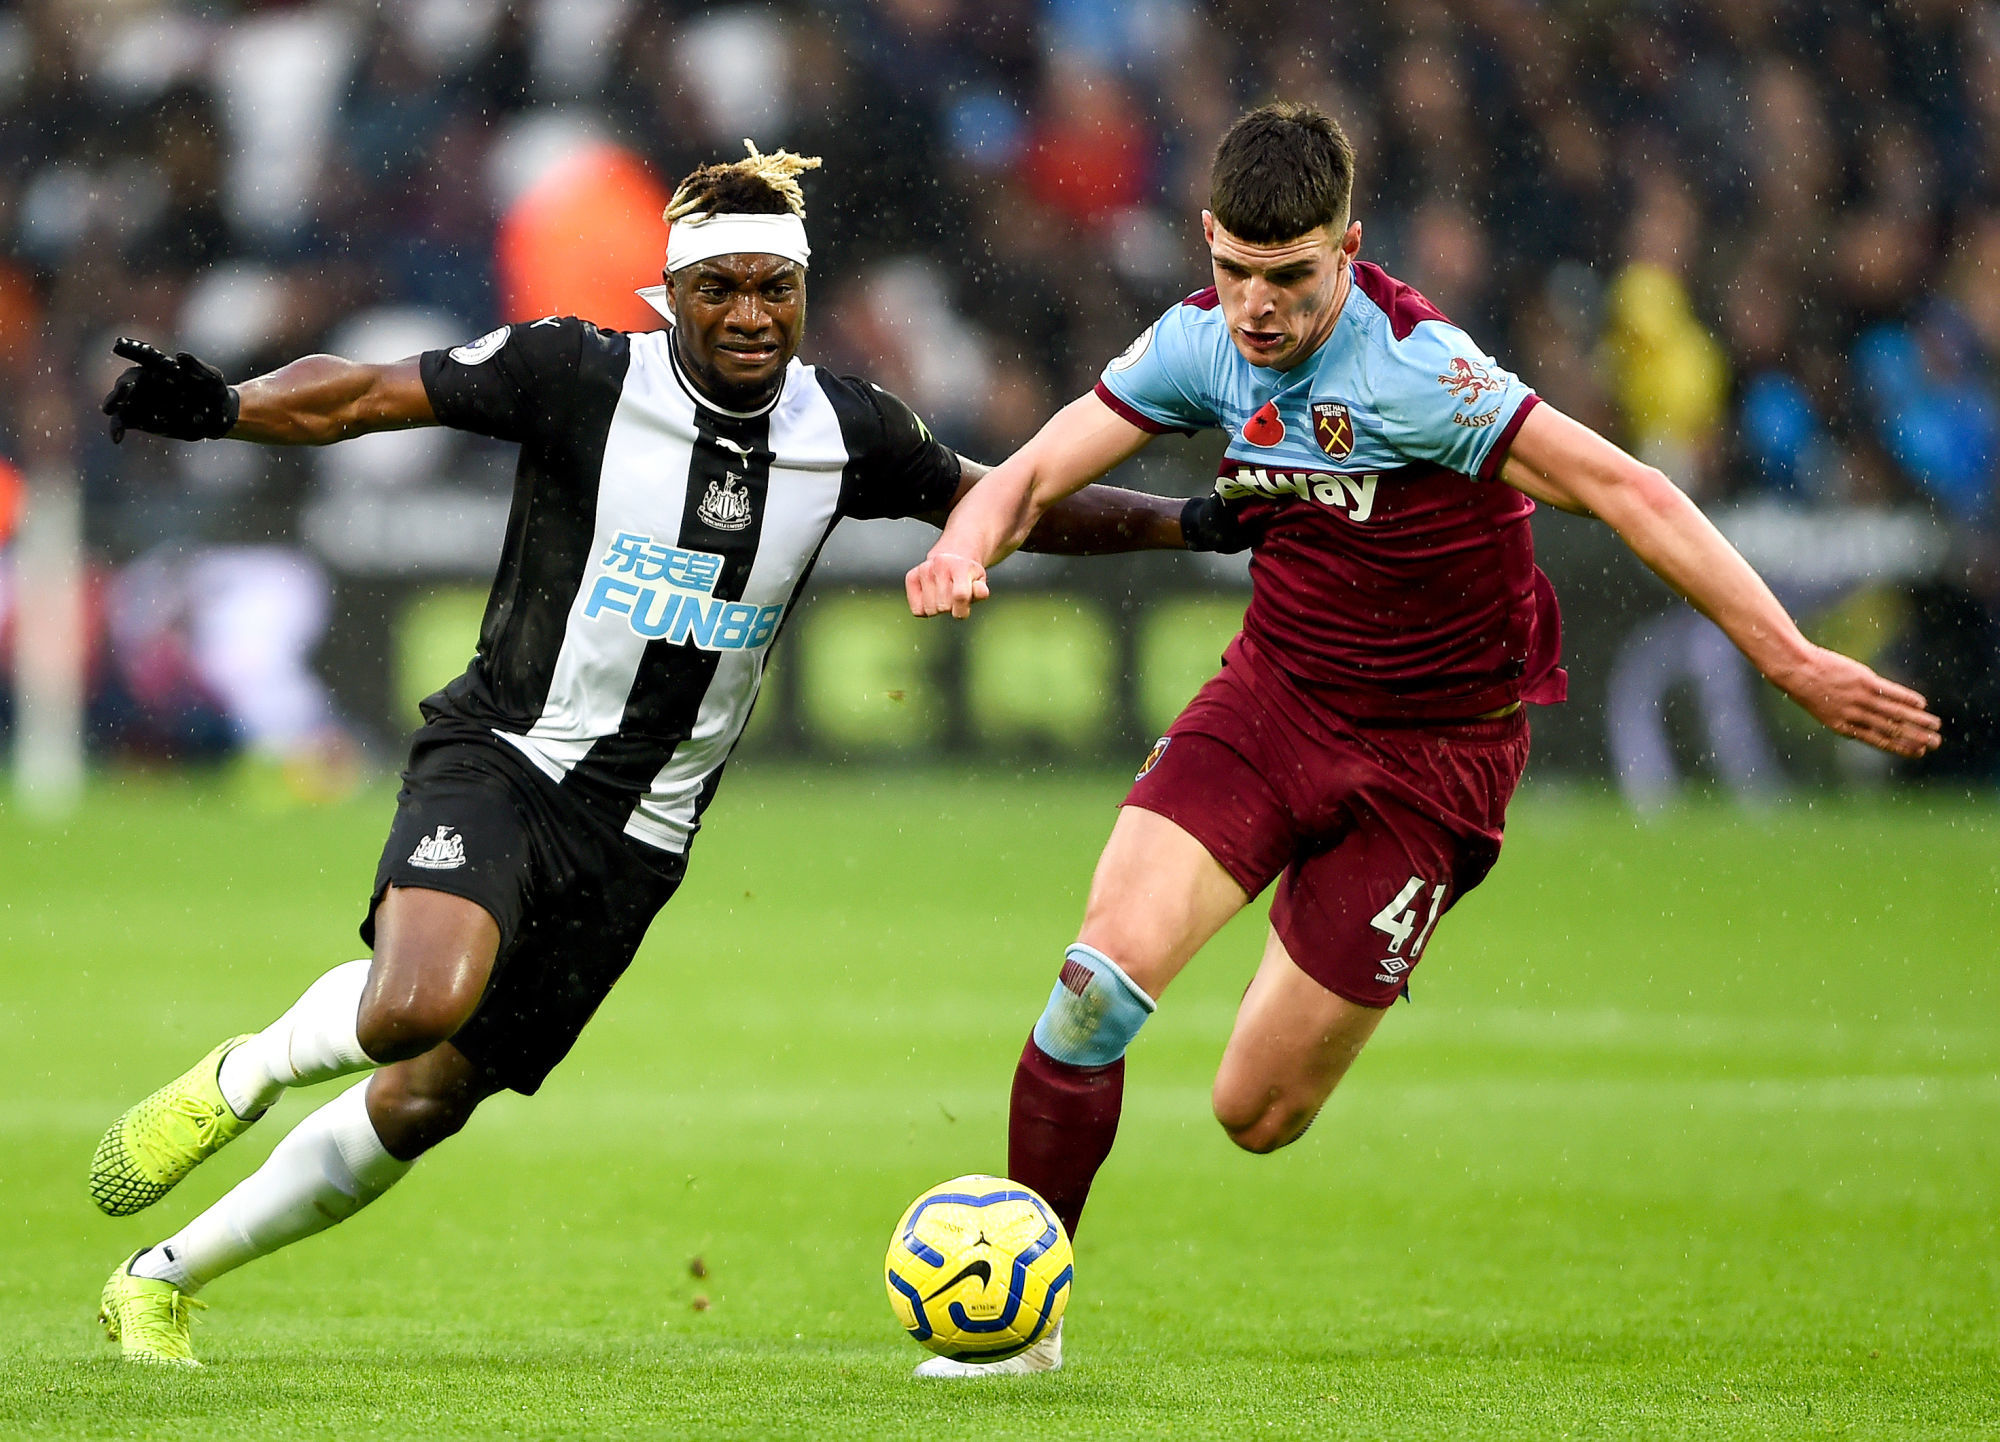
(945, 582)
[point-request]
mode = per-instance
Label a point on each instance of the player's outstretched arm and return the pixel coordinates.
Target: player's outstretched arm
(311, 402)
(1108, 520)
(1564, 463)
(1081, 442)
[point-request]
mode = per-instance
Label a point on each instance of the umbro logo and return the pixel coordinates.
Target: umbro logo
(442, 852)
(1392, 969)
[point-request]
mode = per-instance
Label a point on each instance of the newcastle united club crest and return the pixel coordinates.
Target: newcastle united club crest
(726, 507)
(1333, 428)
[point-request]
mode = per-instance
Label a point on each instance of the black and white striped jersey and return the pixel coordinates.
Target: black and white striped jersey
(655, 548)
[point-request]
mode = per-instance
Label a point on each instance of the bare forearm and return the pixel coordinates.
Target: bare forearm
(1096, 521)
(1081, 442)
(320, 399)
(994, 518)
(1670, 534)
(1105, 520)
(1562, 463)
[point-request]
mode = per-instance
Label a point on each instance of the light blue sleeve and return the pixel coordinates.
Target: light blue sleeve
(1442, 399)
(1164, 380)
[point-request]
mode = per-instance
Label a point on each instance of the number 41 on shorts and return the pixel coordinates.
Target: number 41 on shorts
(1398, 920)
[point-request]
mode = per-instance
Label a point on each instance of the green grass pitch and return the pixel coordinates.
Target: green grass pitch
(1693, 1130)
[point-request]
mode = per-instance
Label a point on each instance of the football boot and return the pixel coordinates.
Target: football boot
(1044, 1356)
(156, 1143)
(149, 1319)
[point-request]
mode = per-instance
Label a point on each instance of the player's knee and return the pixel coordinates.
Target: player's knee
(1094, 1010)
(1109, 931)
(1271, 1134)
(392, 1029)
(1263, 1122)
(1273, 1131)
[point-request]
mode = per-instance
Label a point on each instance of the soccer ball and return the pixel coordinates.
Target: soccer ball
(979, 1269)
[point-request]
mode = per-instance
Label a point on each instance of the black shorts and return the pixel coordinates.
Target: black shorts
(573, 895)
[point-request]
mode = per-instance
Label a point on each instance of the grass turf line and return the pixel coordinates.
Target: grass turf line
(1691, 1131)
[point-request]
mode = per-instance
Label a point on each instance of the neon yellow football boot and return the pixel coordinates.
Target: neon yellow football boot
(166, 1136)
(149, 1319)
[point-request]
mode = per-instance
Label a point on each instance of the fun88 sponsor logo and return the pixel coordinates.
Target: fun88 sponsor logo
(670, 597)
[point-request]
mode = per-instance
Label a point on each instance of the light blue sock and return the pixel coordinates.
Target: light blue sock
(1094, 1011)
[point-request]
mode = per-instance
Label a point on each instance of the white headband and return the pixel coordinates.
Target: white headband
(701, 237)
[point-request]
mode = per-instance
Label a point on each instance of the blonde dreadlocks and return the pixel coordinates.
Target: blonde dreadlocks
(758, 184)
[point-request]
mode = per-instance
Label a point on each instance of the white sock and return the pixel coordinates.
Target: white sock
(330, 1167)
(313, 1042)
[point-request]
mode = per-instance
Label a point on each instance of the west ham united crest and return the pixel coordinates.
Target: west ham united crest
(1333, 428)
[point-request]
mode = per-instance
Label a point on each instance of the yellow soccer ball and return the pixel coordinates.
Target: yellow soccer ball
(979, 1269)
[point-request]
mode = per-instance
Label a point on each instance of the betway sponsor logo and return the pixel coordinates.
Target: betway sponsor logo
(1352, 494)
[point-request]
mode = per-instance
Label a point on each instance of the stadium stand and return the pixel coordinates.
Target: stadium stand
(1756, 240)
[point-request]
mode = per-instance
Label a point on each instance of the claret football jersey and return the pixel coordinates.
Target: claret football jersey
(1394, 575)
(656, 546)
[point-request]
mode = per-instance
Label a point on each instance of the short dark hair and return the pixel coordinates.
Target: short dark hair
(1283, 170)
(759, 184)
(722, 190)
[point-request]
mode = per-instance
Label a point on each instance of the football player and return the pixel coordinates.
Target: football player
(673, 492)
(1367, 728)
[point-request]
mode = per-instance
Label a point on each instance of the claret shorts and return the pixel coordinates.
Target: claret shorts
(1372, 832)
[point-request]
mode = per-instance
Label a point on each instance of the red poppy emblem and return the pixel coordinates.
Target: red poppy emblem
(1265, 428)
(1333, 428)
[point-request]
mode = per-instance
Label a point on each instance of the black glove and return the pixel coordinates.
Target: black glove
(179, 397)
(1209, 525)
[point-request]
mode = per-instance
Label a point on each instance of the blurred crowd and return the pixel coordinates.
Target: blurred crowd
(1757, 241)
